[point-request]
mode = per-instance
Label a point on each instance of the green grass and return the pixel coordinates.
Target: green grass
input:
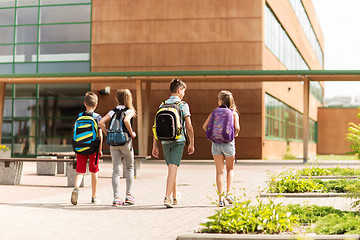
(335, 157)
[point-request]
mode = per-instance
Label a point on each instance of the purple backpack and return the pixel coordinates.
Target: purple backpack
(221, 125)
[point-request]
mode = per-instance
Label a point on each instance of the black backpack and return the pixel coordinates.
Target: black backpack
(117, 133)
(168, 123)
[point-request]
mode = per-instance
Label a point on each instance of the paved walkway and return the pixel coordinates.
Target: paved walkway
(40, 208)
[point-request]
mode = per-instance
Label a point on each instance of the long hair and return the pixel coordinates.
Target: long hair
(124, 97)
(227, 98)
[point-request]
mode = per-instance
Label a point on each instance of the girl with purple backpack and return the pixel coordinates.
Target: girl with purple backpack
(222, 126)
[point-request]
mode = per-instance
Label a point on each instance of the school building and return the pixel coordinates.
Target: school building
(53, 51)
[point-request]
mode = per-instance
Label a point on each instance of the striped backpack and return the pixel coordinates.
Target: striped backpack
(85, 139)
(221, 125)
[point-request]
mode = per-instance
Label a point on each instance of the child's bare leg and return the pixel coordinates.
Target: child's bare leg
(94, 181)
(219, 166)
(171, 180)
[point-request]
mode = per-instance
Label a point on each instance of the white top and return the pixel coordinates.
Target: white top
(120, 107)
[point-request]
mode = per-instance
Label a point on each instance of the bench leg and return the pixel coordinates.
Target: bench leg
(46, 168)
(11, 173)
(71, 176)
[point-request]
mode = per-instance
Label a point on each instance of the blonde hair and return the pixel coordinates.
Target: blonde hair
(124, 97)
(227, 98)
(91, 99)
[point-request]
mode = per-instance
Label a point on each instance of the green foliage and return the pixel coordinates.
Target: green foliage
(291, 182)
(353, 136)
(245, 218)
(308, 214)
(336, 224)
(314, 171)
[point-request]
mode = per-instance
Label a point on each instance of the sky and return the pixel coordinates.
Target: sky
(340, 24)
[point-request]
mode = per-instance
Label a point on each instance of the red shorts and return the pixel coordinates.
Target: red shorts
(93, 163)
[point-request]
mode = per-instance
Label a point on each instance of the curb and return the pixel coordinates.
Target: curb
(303, 195)
(208, 236)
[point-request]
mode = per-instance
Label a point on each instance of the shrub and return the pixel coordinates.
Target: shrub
(245, 218)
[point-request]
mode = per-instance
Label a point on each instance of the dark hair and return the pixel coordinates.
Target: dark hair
(91, 99)
(175, 84)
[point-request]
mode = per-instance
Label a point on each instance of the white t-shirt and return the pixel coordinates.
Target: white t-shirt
(120, 107)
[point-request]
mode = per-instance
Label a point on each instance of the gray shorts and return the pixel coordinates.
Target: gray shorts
(226, 149)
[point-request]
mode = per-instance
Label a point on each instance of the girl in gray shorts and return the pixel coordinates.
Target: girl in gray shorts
(225, 151)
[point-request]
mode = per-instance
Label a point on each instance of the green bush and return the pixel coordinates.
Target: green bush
(335, 224)
(291, 182)
(353, 136)
(318, 171)
(245, 218)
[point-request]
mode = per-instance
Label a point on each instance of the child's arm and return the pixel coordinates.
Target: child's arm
(101, 142)
(206, 122)
(102, 123)
(128, 123)
(236, 123)
(155, 150)
(190, 131)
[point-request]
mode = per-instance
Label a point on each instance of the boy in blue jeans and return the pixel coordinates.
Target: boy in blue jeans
(173, 150)
(90, 102)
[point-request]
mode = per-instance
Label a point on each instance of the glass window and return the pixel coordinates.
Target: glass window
(26, 34)
(64, 52)
(24, 127)
(65, 14)
(51, 2)
(6, 34)
(62, 90)
(24, 108)
(6, 53)
(64, 67)
(8, 90)
(65, 32)
(27, 2)
(64, 107)
(25, 53)
(25, 68)
(6, 68)
(55, 127)
(25, 90)
(7, 3)
(7, 16)
(7, 108)
(6, 129)
(24, 146)
(27, 15)
(54, 144)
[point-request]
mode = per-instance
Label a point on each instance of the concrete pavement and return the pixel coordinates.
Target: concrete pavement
(40, 208)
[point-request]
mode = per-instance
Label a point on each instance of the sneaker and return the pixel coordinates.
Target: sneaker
(229, 199)
(118, 202)
(74, 196)
(130, 200)
(175, 201)
(167, 203)
(95, 200)
(221, 203)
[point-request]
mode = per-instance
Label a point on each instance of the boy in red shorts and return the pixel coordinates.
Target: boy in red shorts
(91, 102)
